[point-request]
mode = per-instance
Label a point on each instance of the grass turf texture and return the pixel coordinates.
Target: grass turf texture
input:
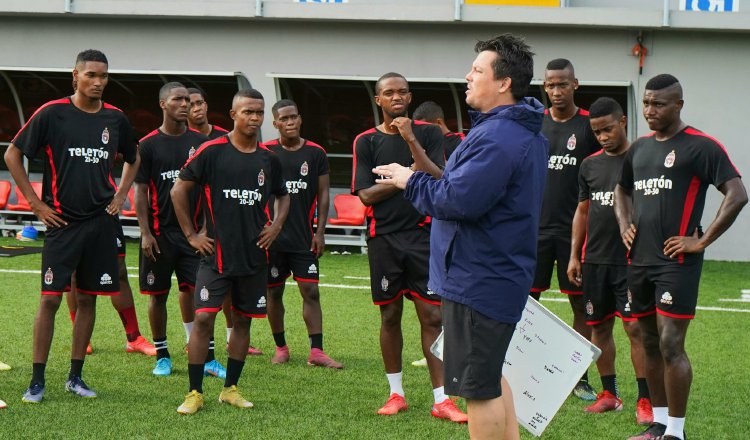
(298, 401)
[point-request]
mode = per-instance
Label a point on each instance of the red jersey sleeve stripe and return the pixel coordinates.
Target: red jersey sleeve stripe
(154, 206)
(153, 133)
(354, 155)
(313, 144)
(111, 107)
(693, 132)
(687, 209)
(45, 105)
(221, 129)
(53, 171)
(219, 262)
(202, 148)
(583, 112)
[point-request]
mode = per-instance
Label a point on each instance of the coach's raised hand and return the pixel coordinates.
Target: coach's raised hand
(393, 174)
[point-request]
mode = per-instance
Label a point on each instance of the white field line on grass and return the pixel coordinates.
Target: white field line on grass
(353, 287)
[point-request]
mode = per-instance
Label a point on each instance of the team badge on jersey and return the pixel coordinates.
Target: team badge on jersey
(105, 136)
(589, 308)
(48, 276)
(384, 284)
(312, 269)
(204, 294)
(571, 145)
(304, 169)
(261, 178)
(191, 152)
(150, 278)
(669, 160)
(630, 296)
(274, 272)
(261, 303)
(105, 279)
(666, 298)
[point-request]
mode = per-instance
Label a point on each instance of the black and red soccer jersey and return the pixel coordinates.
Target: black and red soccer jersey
(569, 143)
(79, 151)
(162, 157)
(373, 148)
(236, 187)
(217, 132)
(452, 140)
(669, 180)
(301, 169)
(599, 175)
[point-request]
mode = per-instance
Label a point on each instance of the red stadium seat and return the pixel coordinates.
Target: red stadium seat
(130, 212)
(349, 210)
(23, 204)
(4, 193)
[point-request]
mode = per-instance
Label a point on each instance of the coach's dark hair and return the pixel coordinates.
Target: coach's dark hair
(515, 60)
(248, 93)
(661, 81)
(561, 64)
(385, 77)
(91, 55)
(283, 103)
(428, 111)
(196, 90)
(605, 106)
(167, 88)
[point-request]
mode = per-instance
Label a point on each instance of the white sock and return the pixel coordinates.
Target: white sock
(188, 328)
(660, 415)
(229, 333)
(394, 380)
(675, 427)
(439, 394)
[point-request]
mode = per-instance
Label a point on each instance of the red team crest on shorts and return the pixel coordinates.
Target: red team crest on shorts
(669, 160)
(150, 278)
(384, 284)
(105, 136)
(589, 308)
(48, 276)
(304, 169)
(204, 294)
(261, 178)
(571, 145)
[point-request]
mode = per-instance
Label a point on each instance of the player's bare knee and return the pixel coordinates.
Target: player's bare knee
(310, 292)
(50, 302)
(86, 302)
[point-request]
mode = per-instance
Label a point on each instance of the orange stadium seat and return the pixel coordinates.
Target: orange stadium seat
(349, 210)
(4, 193)
(23, 204)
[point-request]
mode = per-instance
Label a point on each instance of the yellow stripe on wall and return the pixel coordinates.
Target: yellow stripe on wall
(545, 3)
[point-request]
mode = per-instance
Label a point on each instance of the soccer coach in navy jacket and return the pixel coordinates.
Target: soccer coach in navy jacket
(486, 212)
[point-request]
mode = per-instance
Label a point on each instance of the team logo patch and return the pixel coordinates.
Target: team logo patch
(119, 242)
(105, 136)
(430, 292)
(669, 160)
(274, 272)
(105, 279)
(204, 294)
(627, 307)
(304, 169)
(191, 152)
(571, 145)
(261, 303)
(666, 298)
(589, 308)
(150, 278)
(261, 178)
(384, 284)
(630, 296)
(312, 269)
(48, 276)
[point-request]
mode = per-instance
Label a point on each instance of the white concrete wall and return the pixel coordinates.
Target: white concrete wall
(710, 65)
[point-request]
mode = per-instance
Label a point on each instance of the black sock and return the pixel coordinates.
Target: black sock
(161, 348)
(76, 368)
(37, 375)
(234, 369)
(279, 339)
(316, 341)
(211, 351)
(642, 388)
(195, 373)
(609, 383)
(585, 376)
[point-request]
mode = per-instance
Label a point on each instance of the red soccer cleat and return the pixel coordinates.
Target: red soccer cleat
(605, 401)
(253, 351)
(395, 404)
(644, 414)
(141, 345)
(449, 411)
(319, 359)
(281, 356)
(89, 348)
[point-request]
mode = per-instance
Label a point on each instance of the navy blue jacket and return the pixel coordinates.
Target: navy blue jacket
(486, 210)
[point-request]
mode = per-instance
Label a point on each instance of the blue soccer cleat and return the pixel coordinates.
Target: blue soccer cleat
(214, 368)
(163, 367)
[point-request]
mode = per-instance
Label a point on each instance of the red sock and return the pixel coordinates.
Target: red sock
(130, 322)
(72, 316)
